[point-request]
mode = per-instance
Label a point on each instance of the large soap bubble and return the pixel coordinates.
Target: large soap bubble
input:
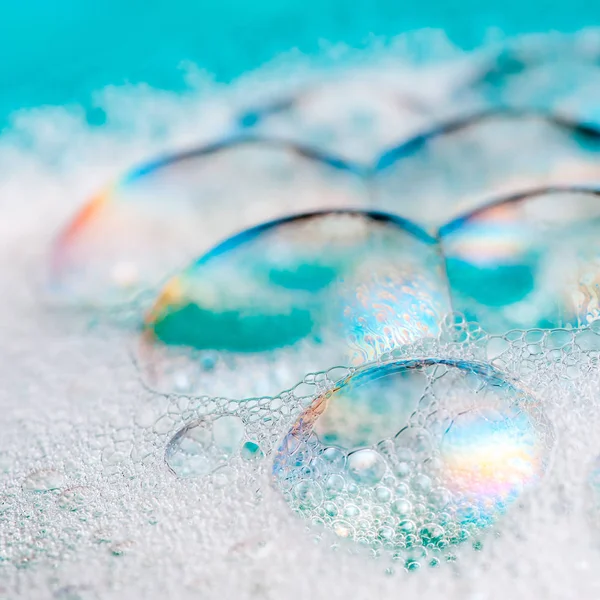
(293, 296)
(162, 215)
(527, 261)
(414, 456)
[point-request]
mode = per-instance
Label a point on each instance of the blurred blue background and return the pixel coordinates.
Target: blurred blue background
(59, 51)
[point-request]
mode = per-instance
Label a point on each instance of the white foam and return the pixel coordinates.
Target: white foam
(72, 408)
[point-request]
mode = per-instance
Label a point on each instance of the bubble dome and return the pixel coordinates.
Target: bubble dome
(414, 455)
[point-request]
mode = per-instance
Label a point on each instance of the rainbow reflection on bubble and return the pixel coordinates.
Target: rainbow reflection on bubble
(490, 455)
(416, 455)
(298, 294)
(162, 215)
(526, 261)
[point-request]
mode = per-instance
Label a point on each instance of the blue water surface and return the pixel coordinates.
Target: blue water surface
(57, 52)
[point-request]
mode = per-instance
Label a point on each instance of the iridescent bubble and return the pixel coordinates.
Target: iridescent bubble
(455, 166)
(165, 213)
(527, 261)
(291, 297)
(432, 452)
(355, 116)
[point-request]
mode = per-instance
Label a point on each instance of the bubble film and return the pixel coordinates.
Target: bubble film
(527, 261)
(289, 296)
(414, 456)
(454, 167)
(161, 215)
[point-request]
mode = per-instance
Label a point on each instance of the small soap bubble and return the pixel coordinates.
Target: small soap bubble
(543, 73)
(199, 449)
(366, 466)
(44, 480)
(478, 449)
(251, 451)
(75, 498)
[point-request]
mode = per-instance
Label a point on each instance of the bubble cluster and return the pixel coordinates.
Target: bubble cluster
(414, 456)
(201, 448)
(256, 264)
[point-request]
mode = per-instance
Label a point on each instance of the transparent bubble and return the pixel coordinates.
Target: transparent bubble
(351, 116)
(454, 167)
(44, 480)
(200, 448)
(366, 466)
(528, 261)
(548, 74)
(454, 443)
(291, 297)
(163, 214)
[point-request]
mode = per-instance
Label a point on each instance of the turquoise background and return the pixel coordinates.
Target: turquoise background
(59, 51)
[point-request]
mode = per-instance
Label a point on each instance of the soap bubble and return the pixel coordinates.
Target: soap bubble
(44, 480)
(200, 448)
(416, 455)
(455, 166)
(531, 260)
(163, 214)
(353, 117)
(547, 74)
(290, 297)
